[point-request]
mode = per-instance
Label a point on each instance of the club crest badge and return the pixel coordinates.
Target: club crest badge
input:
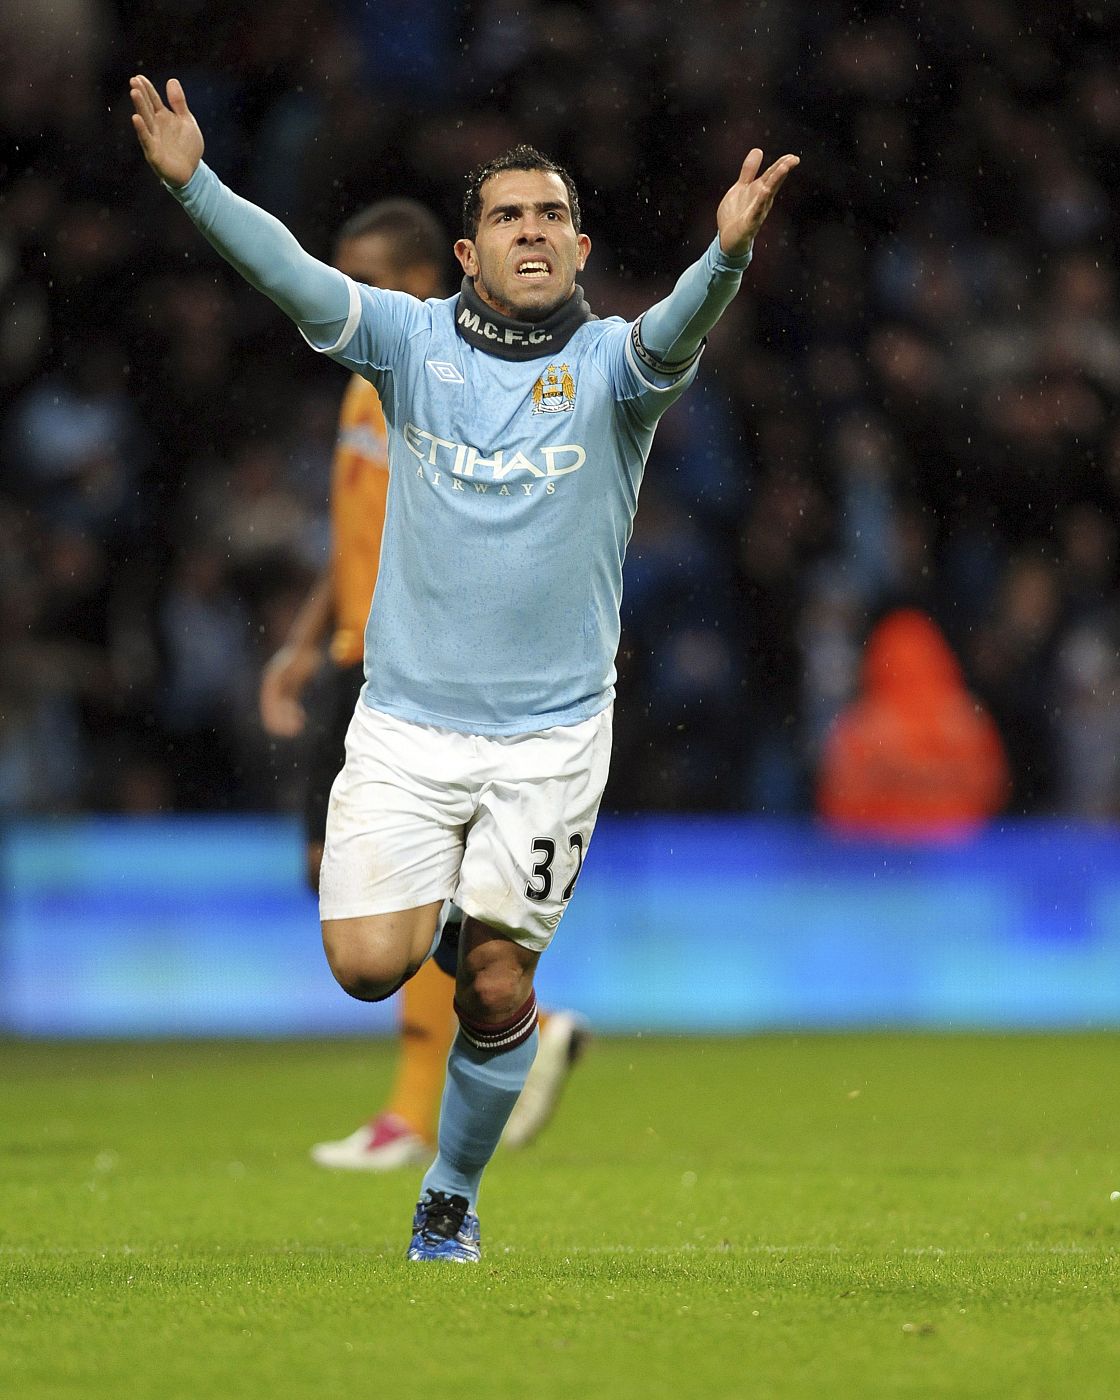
(554, 391)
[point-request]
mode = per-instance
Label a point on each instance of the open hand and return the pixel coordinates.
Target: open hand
(744, 207)
(169, 135)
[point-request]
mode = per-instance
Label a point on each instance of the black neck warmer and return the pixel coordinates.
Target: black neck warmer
(486, 329)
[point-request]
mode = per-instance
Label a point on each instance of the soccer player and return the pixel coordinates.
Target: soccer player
(519, 426)
(397, 245)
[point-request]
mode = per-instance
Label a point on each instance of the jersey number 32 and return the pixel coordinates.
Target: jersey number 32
(544, 848)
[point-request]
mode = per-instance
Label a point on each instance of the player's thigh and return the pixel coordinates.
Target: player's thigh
(526, 844)
(381, 948)
(395, 823)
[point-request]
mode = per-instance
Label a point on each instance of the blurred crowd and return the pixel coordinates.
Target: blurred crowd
(912, 402)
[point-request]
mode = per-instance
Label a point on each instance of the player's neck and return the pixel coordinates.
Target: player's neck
(521, 315)
(484, 326)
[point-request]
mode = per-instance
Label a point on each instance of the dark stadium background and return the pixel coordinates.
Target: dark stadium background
(913, 400)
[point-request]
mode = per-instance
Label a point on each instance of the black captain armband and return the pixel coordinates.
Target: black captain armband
(651, 361)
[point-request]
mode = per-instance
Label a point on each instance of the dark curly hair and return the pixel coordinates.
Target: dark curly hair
(518, 158)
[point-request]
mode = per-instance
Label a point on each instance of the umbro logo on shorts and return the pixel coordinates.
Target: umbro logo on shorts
(445, 372)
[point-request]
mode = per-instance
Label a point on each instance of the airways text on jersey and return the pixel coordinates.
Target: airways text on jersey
(462, 460)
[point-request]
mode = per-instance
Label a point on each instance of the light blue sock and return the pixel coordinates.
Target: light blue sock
(478, 1097)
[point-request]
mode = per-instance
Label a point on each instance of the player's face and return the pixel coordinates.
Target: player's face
(525, 256)
(371, 258)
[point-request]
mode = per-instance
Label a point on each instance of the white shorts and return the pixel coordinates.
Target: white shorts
(498, 824)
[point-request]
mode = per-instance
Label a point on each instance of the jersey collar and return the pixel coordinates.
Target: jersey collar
(509, 339)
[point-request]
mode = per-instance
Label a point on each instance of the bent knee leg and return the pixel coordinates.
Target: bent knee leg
(372, 956)
(495, 974)
(365, 972)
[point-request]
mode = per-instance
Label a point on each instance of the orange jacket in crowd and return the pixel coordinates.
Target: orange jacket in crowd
(914, 754)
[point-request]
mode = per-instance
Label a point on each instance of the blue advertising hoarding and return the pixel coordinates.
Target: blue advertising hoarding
(203, 927)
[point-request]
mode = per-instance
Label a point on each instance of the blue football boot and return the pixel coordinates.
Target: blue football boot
(443, 1228)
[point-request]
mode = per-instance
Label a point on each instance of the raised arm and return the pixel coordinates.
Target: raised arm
(743, 209)
(672, 332)
(169, 136)
(317, 297)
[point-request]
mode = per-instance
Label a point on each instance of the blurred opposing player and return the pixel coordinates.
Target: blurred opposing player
(398, 245)
(519, 427)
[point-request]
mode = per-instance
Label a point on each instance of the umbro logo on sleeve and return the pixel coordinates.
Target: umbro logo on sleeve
(448, 374)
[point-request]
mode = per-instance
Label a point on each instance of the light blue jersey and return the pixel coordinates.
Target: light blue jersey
(511, 500)
(513, 482)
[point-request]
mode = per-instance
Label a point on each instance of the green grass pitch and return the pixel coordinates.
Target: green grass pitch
(819, 1216)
